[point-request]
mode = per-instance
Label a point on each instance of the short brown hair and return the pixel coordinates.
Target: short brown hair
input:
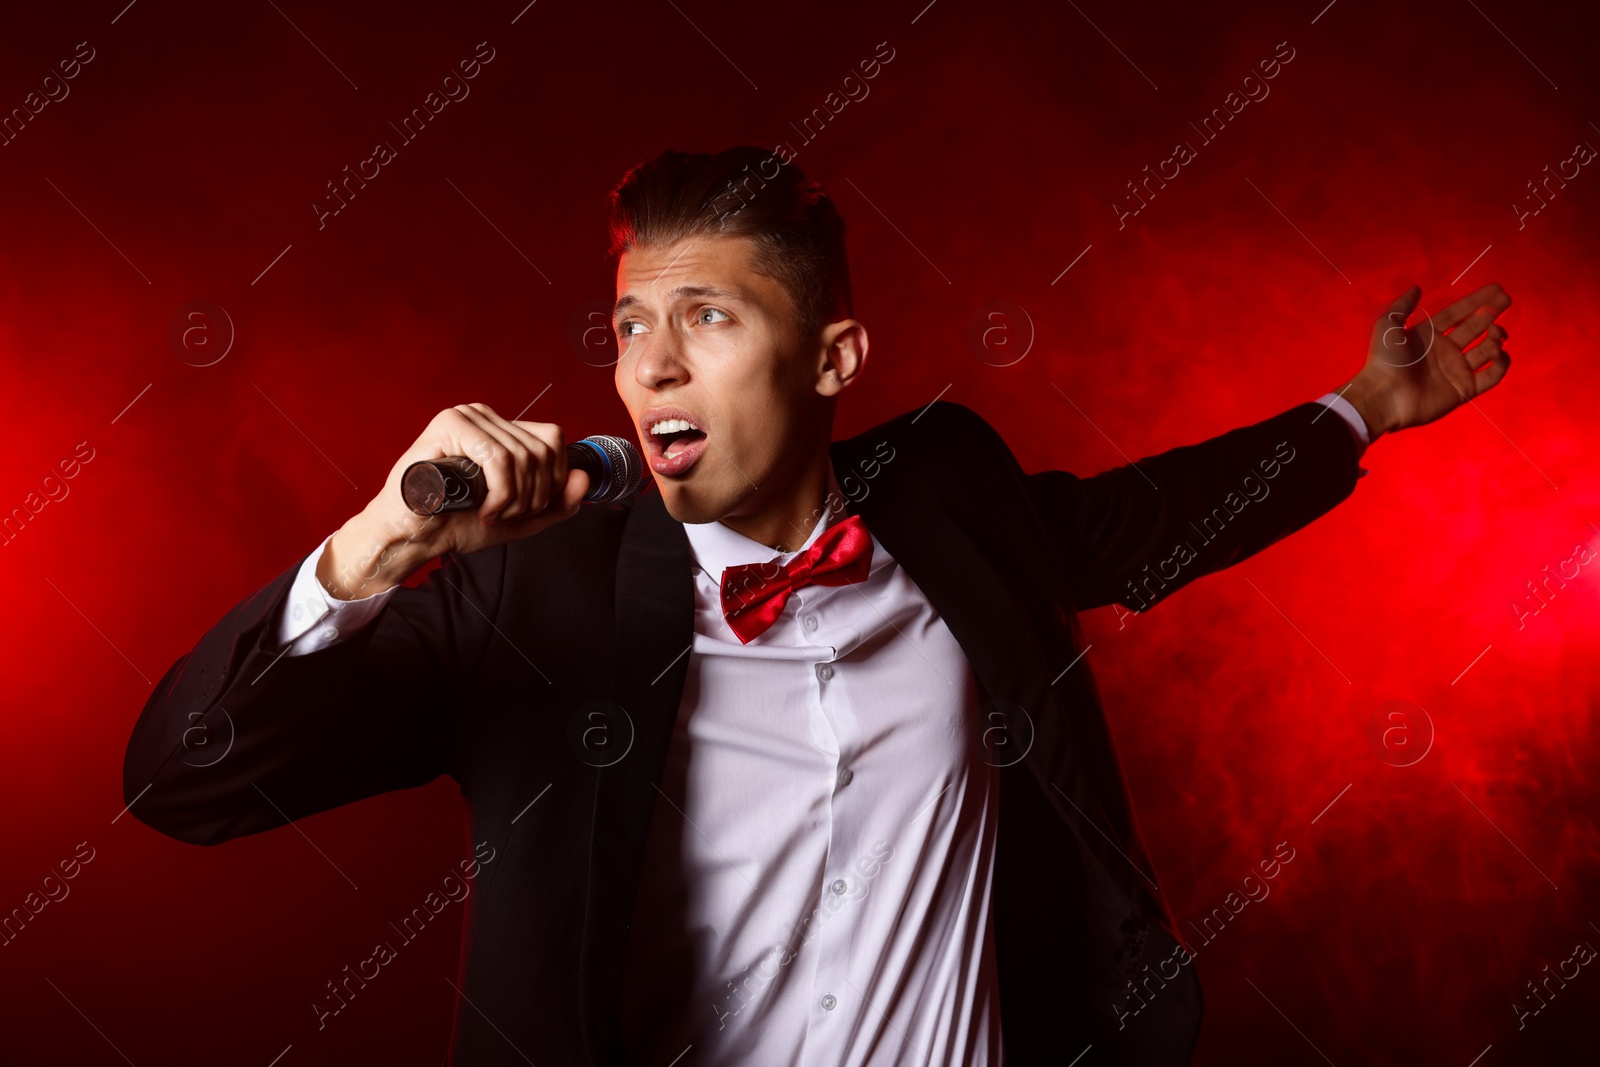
(742, 192)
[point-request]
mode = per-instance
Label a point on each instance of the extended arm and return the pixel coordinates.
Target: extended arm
(1136, 534)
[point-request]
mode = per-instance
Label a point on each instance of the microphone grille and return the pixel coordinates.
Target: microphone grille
(624, 469)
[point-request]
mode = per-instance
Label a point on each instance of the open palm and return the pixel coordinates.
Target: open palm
(1418, 373)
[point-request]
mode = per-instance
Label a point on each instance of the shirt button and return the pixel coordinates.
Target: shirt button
(811, 622)
(329, 634)
(845, 775)
(299, 610)
(828, 1002)
(824, 671)
(839, 886)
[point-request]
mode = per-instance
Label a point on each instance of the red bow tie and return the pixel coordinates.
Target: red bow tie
(753, 594)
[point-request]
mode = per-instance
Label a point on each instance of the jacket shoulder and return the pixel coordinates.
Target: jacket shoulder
(941, 451)
(941, 416)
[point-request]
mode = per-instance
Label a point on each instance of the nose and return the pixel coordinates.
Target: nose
(660, 360)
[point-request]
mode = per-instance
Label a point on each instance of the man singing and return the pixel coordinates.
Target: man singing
(792, 761)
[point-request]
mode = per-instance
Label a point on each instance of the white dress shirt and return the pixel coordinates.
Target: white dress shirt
(817, 876)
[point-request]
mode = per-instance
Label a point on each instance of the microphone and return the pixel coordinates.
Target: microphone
(456, 483)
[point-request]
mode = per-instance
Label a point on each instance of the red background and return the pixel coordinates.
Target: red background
(991, 148)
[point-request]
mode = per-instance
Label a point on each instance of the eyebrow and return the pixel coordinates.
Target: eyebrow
(680, 293)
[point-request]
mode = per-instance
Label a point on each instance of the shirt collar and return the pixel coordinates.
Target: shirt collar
(714, 547)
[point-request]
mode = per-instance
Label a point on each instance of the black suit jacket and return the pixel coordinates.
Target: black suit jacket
(501, 666)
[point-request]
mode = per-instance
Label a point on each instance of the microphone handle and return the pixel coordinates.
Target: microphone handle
(456, 483)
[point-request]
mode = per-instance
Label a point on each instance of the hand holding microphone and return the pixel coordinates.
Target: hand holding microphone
(456, 483)
(480, 480)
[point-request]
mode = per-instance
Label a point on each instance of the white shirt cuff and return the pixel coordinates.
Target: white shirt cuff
(314, 619)
(1348, 412)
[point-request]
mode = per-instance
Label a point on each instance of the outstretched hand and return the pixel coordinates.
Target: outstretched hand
(1418, 373)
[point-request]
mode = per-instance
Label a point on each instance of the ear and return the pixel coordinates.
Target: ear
(843, 355)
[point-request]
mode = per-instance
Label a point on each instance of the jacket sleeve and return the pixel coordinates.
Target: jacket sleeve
(1138, 533)
(238, 737)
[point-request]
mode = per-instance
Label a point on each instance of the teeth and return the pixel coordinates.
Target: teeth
(672, 426)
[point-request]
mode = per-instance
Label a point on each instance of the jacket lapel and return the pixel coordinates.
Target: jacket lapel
(1029, 694)
(990, 623)
(649, 665)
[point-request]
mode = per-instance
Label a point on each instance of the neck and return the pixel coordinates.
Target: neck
(784, 523)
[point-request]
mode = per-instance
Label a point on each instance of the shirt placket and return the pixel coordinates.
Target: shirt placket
(832, 1003)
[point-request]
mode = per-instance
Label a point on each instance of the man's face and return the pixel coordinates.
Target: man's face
(707, 342)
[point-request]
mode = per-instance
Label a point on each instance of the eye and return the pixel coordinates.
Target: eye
(700, 317)
(628, 327)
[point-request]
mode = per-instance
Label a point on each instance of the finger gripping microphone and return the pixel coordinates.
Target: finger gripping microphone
(456, 483)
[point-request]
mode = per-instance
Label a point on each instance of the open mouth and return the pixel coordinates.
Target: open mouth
(675, 444)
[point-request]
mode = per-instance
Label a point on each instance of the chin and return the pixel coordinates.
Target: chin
(684, 505)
